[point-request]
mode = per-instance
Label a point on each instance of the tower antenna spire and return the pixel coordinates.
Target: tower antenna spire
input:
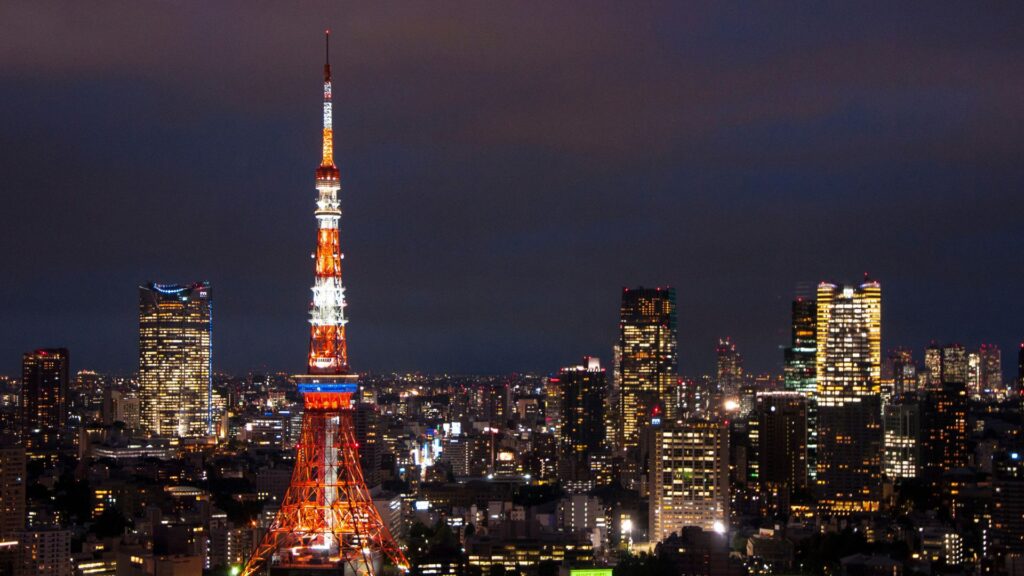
(327, 518)
(327, 55)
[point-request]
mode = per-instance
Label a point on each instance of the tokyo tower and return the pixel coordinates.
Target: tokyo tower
(327, 522)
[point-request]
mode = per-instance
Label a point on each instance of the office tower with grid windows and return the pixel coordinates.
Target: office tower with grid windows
(943, 439)
(904, 371)
(990, 367)
(580, 420)
(175, 350)
(730, 366)
(781, 419)
(44, 400)
(849, 361)
(649, 361)
(689, 477)
(901, 426)
(800, 369)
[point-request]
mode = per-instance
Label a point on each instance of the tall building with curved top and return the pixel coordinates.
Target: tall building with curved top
(175, 340)
(849, 364)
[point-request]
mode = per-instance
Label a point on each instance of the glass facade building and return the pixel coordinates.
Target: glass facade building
(175, 339)
(800, 369)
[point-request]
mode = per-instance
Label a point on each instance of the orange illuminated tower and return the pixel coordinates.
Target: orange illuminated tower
(327, 522)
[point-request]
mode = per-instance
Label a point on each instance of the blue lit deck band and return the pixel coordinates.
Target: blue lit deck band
(335, 387)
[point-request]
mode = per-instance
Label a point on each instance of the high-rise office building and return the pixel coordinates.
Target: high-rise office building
(944, 429)
(904, 371)
(801, 369)
(932, 366)
(649, 362)
(800, 355)
(991, 371)
(849, 402)
(901, 423)
(730, 366)
(44, 400)
(974, 386)
(175, 337)
(954, 364)
(689, 477)
(581, 390)
(944, 414)
(12, 490)
(490, 402)
(781, 443)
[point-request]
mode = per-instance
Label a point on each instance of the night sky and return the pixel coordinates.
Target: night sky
(507, 170)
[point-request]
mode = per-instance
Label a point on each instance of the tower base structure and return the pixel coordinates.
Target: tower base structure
(327, 520)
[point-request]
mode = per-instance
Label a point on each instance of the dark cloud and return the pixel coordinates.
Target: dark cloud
(507, 168)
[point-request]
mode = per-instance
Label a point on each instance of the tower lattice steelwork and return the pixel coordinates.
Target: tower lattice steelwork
(327, 519)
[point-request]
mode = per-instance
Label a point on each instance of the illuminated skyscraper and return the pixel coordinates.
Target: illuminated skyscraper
(44, 400)
(856, 312)
(991, 371)
(849, 402)
(581, 419)
(974, 386)
(689, 478)
(175, 338)
(944, 429)
(781, 444)
(954, 364)
(933, 366)
(801, 369)
(901, 422)
(904, 371)
(649, 363)
(944, 414)
(800, 355)
(730, 366)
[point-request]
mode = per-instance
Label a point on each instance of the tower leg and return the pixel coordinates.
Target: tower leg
(327, 516)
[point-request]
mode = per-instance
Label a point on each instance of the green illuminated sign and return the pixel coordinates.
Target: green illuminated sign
(590, 572)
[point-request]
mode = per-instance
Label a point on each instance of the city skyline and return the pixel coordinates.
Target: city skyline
(729, 180)
(855, 449)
